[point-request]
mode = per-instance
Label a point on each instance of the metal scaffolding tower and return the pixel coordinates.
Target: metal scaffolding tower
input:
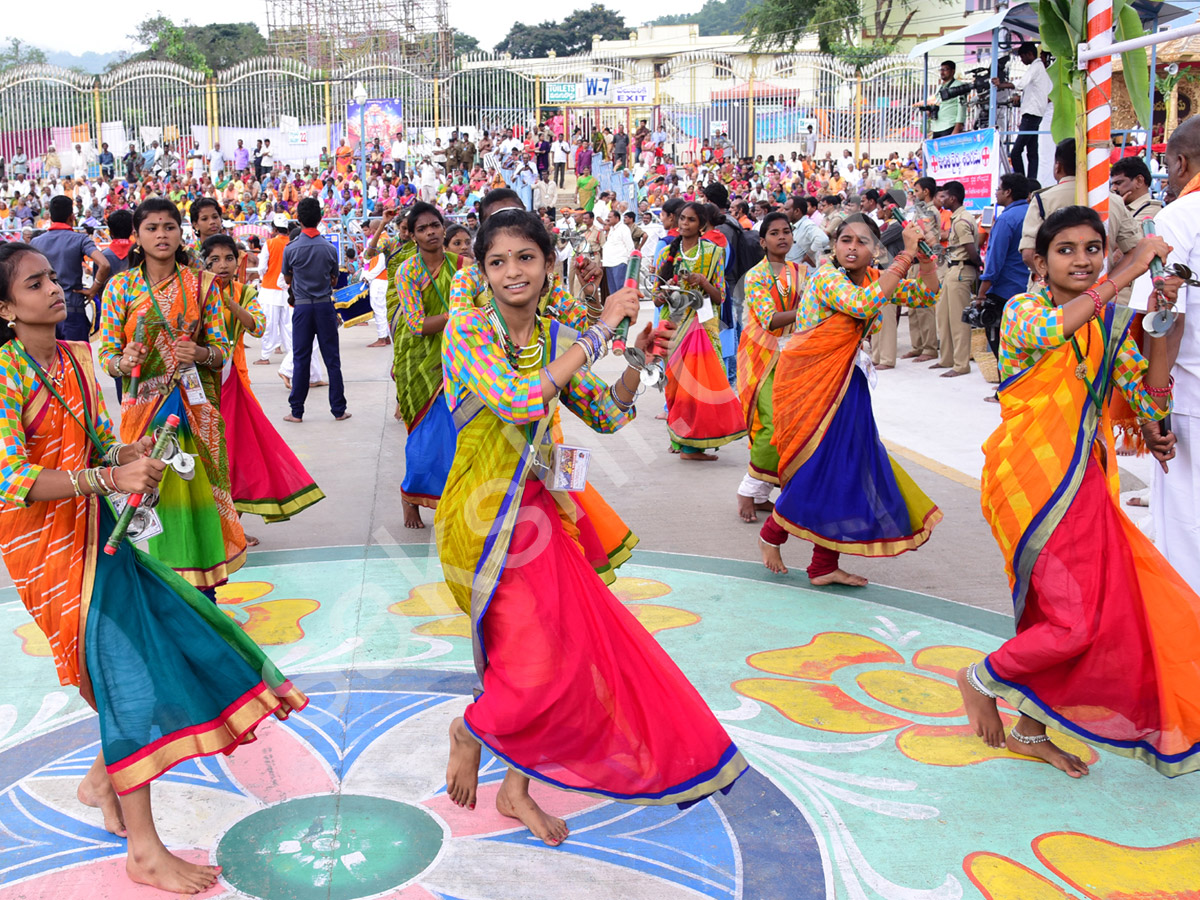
(327, 34)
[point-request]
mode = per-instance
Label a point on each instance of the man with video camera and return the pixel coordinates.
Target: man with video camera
(947, 110)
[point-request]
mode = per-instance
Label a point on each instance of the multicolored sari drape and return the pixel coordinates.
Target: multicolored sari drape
(265, 477)
(841, 489)
(757, 355)
(429, 449)
(575, 693)
(702, 410)
(1106, 630)
(171, 676)
(202, 538)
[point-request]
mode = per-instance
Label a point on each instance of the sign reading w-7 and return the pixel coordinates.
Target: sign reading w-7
(596, 86)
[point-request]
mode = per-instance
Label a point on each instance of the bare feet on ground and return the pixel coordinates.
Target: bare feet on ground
(981, 713)
(838, 576)
(747, 508)
(166, 872)
(462, 772)
(1047, 751)
(97, 792)
(514, 801)
(662, 415)
(772, 558)
(412, 515)
(699, 457)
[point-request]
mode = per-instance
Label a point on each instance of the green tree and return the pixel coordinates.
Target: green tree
(714, 17)
(18, 53)
(210, 47)
(464, 43)
(858, 31)
(573, 35)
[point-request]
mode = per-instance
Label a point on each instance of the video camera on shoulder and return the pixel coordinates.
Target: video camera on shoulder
(979, 83)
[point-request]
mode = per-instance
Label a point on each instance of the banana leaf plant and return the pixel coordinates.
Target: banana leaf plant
(1063, 27)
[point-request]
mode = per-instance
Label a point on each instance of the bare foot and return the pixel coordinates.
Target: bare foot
(884, 366)
(746, 509)
(317, 384)
(287, 382)
(1138, 501)
(698, 457)
(462, 772)
(924, 357)
(981, 712)
(262, 362)
(662, 415)
(166, 872)
(672, 449)
(97, 792)
(290, 418)
(938, 365)
(251, 541)
(343, 417)
(517, 804)
(911, 354)
(1049, 752)
(382, 342)
(396, 414)
(837, 576)
(772, 557)
(952, 374)
(412, 515)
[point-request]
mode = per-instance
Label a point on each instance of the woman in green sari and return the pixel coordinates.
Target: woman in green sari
(423, 303)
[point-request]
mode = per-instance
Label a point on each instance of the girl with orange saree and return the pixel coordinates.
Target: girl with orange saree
(170, 676)
(576, 693)
(773, 289)
(1107, 631)
(181, 358)
(702, 411)
(840, 488)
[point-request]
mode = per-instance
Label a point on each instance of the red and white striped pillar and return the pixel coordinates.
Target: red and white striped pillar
(1099, 107)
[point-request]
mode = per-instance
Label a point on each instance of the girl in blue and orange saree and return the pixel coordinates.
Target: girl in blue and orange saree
(417, 321)
(773, 291)
(575, 692)
(840, 488)
(702, 411)
(170, 675)
(1107, 631)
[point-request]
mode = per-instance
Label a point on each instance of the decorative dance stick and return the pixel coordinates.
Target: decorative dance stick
(135, 376)
(923, 246)
(165, 438)
(632, 274)
(1162, 320)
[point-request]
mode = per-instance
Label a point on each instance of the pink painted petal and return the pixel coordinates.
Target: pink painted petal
(102, 880)
(278, 766)
(484, 819)
(412, 892)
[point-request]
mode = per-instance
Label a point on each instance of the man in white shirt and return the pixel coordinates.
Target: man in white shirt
(1173, 493)
(216, 162)
(1034, 85)
(399, 153)
(510, 143)
(614, 255)
(559, 151)
(602, 207)
(377, 277)
(79, 162)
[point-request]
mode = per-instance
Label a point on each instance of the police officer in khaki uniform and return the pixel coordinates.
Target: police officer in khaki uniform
(958, 286)
(922, 323)
(1130, 179)
(1123, 231)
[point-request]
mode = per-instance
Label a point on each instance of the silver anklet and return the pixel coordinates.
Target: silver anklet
(973, 681)
(1026, 739)
(768, 543)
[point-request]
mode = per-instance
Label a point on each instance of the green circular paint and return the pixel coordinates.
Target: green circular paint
(336, 847)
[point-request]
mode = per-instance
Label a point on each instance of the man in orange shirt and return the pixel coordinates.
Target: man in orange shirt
(344, 155)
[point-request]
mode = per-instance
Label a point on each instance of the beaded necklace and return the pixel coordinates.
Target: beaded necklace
(519, 357)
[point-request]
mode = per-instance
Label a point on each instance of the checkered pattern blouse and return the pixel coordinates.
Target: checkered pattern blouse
(1033, 326)
(830, 291)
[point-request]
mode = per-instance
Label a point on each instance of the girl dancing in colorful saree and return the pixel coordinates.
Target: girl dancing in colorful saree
(702, 411)
(418, 319)
(773, 289)
(576, 693)
(1107, 631)
(170, 675)
(181, 358)
(265, 477)
(841, 489)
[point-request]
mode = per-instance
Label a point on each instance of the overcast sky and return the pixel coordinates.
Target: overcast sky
(108, 25)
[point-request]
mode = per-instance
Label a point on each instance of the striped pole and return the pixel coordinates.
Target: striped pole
(1099, 109)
